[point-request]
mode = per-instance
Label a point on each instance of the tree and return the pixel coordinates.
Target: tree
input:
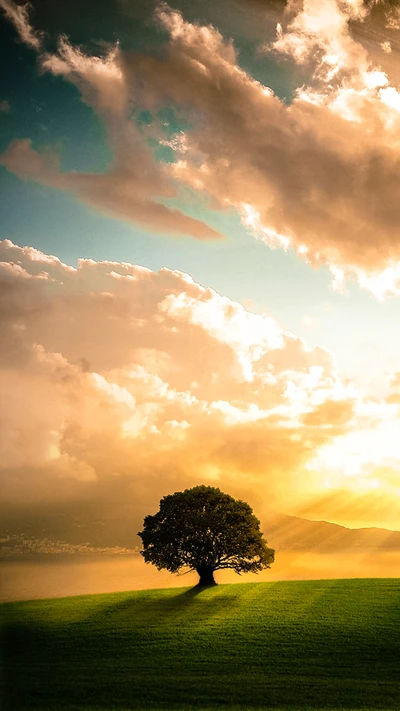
(203, 529)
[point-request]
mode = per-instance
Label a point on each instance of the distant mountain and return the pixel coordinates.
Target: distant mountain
(291, 532)
(78, 534)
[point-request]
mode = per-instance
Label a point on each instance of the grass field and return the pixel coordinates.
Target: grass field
(331, 644)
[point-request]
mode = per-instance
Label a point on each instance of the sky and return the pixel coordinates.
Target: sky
(199, 258)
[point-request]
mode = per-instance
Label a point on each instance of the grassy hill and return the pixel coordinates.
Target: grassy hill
(331, 644)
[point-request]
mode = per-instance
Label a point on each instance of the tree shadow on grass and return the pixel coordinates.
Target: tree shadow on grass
(192, 604)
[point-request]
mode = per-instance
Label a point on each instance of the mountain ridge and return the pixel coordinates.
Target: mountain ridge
(292, 532)
(283, 532)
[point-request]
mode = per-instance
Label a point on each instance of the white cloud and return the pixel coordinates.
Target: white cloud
(135, 185)
(318, 176)
(127, 384)
(393, 18)
(110, 364)
(18, 14)
(100, 80)
(318, 33)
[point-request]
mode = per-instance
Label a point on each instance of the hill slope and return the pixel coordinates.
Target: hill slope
(288, 645)
(117, 534)
(294, 533)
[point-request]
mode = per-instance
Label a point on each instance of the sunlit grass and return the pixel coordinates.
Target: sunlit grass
(289, 645)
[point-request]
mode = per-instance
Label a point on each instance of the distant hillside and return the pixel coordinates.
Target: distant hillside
(75, 536)
(291, 532)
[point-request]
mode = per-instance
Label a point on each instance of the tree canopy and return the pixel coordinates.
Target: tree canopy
(205, 530)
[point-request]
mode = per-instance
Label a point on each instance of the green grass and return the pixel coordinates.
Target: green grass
(332, 644)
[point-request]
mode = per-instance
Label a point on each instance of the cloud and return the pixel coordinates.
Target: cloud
(318, 32)
(123, 384)
(393, 18)
(18, 15)
(126, 191)
(319, 175)
(135, 383)
(386, 46)
(135, 185)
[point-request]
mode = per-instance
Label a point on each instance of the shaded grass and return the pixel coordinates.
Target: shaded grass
(295, 645)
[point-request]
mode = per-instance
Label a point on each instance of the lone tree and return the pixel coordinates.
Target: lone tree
(203, 529)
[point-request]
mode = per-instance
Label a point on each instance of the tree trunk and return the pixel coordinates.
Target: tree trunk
(206, 574)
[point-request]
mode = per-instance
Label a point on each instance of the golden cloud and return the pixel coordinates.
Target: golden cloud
(123, 384)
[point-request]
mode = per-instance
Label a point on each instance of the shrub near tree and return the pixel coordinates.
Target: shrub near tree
(205, 530)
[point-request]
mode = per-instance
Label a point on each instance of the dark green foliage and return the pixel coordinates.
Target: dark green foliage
(324, 645)
(205, 530)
